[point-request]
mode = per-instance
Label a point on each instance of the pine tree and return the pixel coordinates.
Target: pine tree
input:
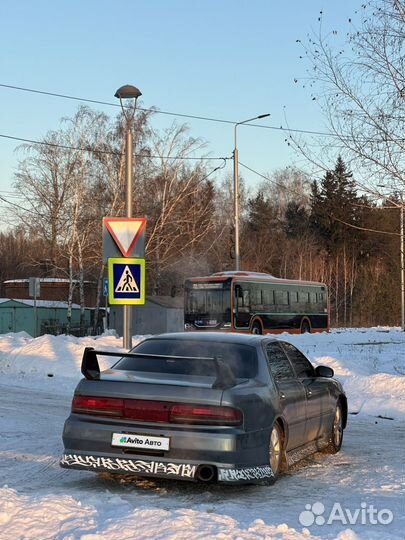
(335, 207)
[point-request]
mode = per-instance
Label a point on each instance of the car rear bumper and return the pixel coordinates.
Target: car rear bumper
(163, 468)
(233, 454)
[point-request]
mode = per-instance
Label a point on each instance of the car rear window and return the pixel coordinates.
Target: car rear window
(242, 359)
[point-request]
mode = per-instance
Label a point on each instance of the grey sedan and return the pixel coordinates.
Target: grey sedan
(228, 408)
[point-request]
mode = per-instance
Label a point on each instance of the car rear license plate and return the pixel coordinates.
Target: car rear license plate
(147, 442)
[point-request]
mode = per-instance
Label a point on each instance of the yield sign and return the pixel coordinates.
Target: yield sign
(125, 232)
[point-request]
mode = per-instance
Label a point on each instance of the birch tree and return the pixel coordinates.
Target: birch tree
(360, 87)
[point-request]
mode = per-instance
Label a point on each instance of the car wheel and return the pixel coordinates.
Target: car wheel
(305, 328)
(256, 328)
(276, 451)
(336, 433)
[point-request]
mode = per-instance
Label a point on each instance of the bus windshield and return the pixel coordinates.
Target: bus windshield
(206, 302)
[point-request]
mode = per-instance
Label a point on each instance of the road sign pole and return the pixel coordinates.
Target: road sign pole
(35, 312)
(34, 288)
(127, 334)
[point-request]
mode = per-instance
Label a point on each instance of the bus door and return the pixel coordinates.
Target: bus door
(241, 306)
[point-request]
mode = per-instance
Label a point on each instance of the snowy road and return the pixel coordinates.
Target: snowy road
(39, 500)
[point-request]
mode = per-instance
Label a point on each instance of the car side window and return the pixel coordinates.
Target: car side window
(302, 366)
(278, 363)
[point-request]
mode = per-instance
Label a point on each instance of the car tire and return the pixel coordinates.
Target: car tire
(276, 452)
(335, 438)
(256, 328)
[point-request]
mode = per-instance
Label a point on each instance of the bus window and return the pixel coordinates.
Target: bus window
(238, 291)
(312, 297)
(303, 297)
(268, 297)
(242, 298)
(246, 298)
(256, 298)
(238, 297)
(293, 297)
(281, 298)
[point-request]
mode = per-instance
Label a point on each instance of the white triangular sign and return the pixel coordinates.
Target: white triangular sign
(127, 282)
(125, 232)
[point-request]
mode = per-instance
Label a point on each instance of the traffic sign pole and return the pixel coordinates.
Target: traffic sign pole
(127, 334)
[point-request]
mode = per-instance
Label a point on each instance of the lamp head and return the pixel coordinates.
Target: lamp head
(128, 92)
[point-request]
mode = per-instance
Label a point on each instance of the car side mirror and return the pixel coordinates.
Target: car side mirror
(324, 371)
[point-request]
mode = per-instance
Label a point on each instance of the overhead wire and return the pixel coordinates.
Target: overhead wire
(170, 113)
(333, 217)
(97, 151)
(156, 111)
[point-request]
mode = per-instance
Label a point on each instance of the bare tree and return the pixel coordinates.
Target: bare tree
(177, 199)
(361, 89)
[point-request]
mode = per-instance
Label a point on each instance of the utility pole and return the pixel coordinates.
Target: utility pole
(236, 188)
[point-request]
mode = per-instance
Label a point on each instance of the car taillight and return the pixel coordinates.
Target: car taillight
(146, 411)
(156, 411)
(205, 414)
(98, 405)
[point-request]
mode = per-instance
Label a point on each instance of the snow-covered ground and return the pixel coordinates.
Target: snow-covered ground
(364, 483)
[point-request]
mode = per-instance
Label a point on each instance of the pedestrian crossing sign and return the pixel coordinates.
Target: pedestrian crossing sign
(126, 281)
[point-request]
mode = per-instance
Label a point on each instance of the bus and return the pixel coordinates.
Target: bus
(254, 302)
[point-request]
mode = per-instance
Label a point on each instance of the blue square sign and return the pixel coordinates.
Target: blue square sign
(126, 281)
(105, 287)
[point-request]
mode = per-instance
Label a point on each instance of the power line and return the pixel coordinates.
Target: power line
(278, 184)
(96, 151)
(376, 231)
(284, 130)
(4, 200)
(169, 113)
(66, 147)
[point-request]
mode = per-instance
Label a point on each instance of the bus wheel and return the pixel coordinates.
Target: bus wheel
(256, 328)
(305, 328)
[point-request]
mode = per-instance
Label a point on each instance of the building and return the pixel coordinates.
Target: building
(40, 317)
(159, 314)
(51, 289)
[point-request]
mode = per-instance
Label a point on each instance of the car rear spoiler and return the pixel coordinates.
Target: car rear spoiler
(91, 370)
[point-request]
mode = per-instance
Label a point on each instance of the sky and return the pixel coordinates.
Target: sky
(228, 59)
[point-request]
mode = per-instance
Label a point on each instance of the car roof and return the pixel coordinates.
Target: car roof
(220, 337)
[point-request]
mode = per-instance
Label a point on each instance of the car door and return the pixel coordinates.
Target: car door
(291, 393)
(316, 390)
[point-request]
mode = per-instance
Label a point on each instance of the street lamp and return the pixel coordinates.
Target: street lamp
(132, 93)
(236, 188)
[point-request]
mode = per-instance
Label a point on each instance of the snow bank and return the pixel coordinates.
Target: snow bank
(369, 362)
(58, 357)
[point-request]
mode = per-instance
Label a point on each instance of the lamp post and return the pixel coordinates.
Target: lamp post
(130, 93)
(402, 268)
(236, 187)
